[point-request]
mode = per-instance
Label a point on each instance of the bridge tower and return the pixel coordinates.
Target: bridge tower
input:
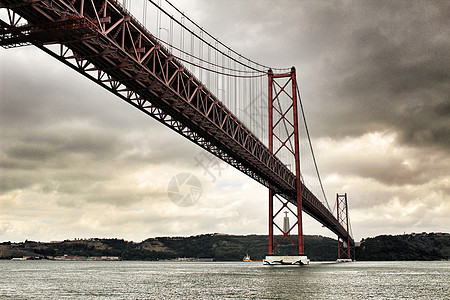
(344, 246)
(283, 142)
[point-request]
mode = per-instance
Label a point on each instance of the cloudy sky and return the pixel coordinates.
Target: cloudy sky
(77, 162)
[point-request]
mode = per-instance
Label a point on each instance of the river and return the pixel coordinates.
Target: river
(227, 280)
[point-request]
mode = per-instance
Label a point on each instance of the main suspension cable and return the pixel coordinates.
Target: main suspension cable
(218, 41)
(310, 145)
(206, 61)
(218, 72)
(215, 39)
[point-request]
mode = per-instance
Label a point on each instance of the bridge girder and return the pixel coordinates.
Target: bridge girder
(111, 48)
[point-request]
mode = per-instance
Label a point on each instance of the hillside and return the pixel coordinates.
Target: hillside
(222, 247)
(423, 246)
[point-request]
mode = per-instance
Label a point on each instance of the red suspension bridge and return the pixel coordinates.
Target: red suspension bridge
(164, 64)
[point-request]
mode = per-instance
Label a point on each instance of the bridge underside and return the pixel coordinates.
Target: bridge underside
(100, 40)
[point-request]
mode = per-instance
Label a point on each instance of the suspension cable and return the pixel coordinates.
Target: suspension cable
(222, 44)
(310, 145)
(217, 72)
(209, 44)
(204, 60)
(334, 207)
(202, 39)
(349, 223)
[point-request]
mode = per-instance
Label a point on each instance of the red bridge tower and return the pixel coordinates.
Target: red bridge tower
(344, 247)
(284, 142)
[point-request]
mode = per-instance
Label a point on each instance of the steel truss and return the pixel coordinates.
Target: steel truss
(102, 41)
(344, 245)
(278, 117)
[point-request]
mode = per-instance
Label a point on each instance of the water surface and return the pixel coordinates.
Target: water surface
(214, 280)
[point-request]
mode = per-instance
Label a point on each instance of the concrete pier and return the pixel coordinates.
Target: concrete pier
(286, 260)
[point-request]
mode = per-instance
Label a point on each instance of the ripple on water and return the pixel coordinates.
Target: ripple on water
(178, 280)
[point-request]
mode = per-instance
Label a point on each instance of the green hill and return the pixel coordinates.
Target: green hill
(220, 247)
(223, 247)
(423, 246)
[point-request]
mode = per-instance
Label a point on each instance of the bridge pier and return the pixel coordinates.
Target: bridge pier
(300, 260)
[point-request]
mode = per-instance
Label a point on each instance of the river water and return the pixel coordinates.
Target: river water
(215, 280)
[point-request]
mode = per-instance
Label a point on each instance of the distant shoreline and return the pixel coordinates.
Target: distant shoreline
(221, 247)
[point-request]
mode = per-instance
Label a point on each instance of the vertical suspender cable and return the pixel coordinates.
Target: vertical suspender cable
(310, 145)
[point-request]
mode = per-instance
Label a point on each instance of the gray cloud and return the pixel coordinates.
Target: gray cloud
(362, 66)
(390, 169)
(63, 128)
(394, 74)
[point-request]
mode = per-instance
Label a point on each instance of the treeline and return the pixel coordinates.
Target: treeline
(423, 246)
(222, 247)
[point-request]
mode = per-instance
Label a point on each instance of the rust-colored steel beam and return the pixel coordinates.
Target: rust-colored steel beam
(344, 245)
(114, 50)
(298, 182)
(291, 127)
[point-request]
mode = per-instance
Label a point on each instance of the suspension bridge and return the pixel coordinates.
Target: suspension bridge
(160, 61)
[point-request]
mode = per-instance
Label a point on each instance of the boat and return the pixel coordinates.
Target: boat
(248, 259)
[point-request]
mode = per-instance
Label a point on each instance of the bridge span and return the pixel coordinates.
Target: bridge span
(101, 40)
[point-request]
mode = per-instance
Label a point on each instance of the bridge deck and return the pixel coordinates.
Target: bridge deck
(102, 41)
